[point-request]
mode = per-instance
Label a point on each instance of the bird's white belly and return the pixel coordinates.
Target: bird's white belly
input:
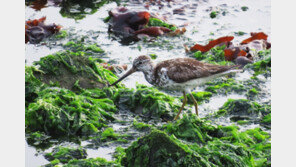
(189, 85)
(185, 86)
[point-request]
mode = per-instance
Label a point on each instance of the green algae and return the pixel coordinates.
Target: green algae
(244, 8)
(119, 154)
(224, 86)
(213, 14)
(153, 56)
(62, 34)
(263, 65)
(222, 145)
(252, 93)
(240, 33)
(61, 112)
(109, 134)
(32, 84)
(158, 149)
(141, 125)
(267, 118)
(157, 22)
(240, 107)
(245, 111)
(87, 49)
(38, 139)
(199, 97)
(191, 129)
(147, 101)
(65, 154)
(242, 122)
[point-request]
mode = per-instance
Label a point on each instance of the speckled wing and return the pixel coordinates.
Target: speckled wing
(185, 69)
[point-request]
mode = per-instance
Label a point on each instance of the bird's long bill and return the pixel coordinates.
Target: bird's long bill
(132, 70)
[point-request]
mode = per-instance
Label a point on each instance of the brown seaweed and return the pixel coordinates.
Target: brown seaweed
(36, 30)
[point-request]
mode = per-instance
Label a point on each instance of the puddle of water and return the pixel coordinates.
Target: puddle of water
(102, 152)
(33, 158)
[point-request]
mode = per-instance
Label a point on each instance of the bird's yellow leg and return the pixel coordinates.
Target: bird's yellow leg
(184, 103)
(195, 104)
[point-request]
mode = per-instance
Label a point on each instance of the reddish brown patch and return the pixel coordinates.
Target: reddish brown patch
(255, 36)
(232, 53)
(211, 44)
(153, 31)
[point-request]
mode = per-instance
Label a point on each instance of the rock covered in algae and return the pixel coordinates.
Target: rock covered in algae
(65, 154)
(222, 145)
(51, 106)
(67, 68)
(243, 109)
(61, 112)
(159, 149)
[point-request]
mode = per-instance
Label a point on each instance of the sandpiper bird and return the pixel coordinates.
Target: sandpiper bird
(181, 74)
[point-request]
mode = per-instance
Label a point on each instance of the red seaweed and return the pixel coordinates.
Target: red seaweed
(255, 36)
(232, 53)
(211, 44)
(257, 41)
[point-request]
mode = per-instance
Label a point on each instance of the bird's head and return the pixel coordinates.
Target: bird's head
(141, 63)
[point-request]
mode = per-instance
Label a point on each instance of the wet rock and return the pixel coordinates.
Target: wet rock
(125, 23)
(130, 24)
(38, 140)
(36, 30)
(158, 149)
(242, 61)
(240, 107)
(70, 68)
(243, 109)
(65, 154)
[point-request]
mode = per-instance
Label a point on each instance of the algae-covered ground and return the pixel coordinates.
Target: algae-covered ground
(72, 117)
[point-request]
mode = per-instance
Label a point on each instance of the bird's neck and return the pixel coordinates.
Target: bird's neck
(149, 74)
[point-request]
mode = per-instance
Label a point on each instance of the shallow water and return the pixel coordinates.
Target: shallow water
(200, 28)
(33, 158)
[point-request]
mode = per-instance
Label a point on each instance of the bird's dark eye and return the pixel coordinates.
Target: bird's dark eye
(140, 62)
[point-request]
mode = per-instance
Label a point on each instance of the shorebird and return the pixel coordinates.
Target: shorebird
(180, 74)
